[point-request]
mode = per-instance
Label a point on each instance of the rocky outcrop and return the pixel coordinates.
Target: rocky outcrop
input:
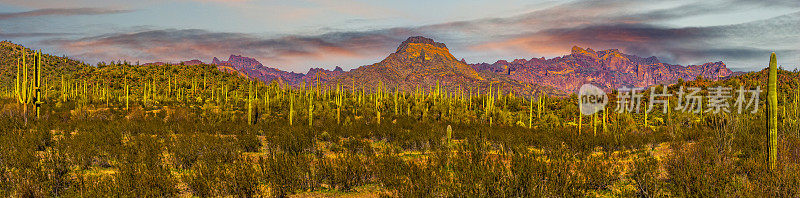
(192, 62)
(608, 69)
(422, 63)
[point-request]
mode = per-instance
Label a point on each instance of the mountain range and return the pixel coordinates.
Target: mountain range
(422, 62)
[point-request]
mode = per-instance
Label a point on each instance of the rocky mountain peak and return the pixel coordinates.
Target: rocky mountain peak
(416, 42)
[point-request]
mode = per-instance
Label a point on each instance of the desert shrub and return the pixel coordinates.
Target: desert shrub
(20, 172)
(528, 173)
(214, 179)
(784, 181)
(58, 168)
(598, 171)
(141, 171)
(285, 174)
(560, 180)
(93, 144)
(358, 146)
(249, 141)
(94, 186)
(477, 171)
(645, 176)
(389, 170)
(294, 140)
(699, 170)
(188, 149)
(347, 171)
(419, 180)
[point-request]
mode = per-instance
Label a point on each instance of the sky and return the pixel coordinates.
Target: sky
(301, 34)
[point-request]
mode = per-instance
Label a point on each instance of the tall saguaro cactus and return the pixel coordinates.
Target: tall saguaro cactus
(250, 104)
(310, 109)
(580, 116)
(530, 115)
(772, 111)
(38, 83)
(291, 108)
(21, 85)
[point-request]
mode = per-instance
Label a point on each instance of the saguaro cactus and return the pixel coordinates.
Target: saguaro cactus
(580, 116)
(530, 115)
(38, 100)
(127, 95)
(772, 111)
(377, 110)
(339, 99)
(310, 109)
(395, 101)
(291, 108)
(250, 104)
(22, 85)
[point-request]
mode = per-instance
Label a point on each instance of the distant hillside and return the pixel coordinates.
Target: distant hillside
(254, 69)
(53, 66)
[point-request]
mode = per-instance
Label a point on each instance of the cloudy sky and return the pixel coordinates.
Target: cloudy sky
(301, 34)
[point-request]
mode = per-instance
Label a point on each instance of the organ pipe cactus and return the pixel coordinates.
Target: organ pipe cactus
(772, 111)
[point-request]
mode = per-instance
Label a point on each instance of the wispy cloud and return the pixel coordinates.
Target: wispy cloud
(4, 34)
(176, 45)
(61, 12)
(635, 27)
